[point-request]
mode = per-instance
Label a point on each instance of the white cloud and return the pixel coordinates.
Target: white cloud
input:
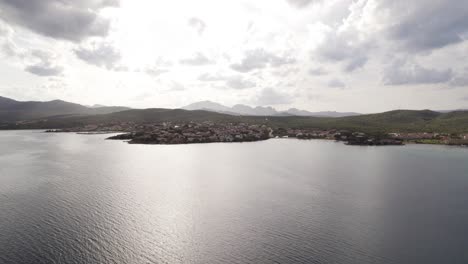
(301, 3)
(404, 72)
(229, 81)
(62, 19)
(269, 96)
(198, 59)
(198, 24)
(260, 59)
(336, 83)
(267, 52)
(102, 55)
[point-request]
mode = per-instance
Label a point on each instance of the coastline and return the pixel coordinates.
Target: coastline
(272, 138)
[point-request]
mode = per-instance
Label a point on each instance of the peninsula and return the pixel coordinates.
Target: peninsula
(179, 126)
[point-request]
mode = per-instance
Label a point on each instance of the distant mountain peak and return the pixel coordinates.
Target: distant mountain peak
(241, 109)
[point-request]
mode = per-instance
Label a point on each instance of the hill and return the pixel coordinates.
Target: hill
(61, 114)
(12, 110)
(393, 121)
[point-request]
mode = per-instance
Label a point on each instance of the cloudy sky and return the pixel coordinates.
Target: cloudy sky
(343, 55)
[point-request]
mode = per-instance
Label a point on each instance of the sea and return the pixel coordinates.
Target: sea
(70, 198)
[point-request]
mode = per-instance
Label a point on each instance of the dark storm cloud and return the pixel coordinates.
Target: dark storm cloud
(403, 72)
(61, 19)
(101, 55)
(426, 25)
(260, 59)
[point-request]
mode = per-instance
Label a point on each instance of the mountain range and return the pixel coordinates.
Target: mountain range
(13, 110)
(245, 110)
(60, 114)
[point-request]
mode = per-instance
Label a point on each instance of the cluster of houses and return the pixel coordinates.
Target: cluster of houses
(433, 138)
(359, 138)
(304, 133)
(206, 132)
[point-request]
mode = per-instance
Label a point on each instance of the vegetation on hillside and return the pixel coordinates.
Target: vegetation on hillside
(393, 121)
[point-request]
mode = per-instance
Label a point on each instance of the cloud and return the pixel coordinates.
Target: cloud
(375, 27)
(231, 81)
(198, 24)
(260, 59)
(176, 87)
(426, 25)
(343, 47)
(459, 81)
(269, 96)
(5, 30)
(44, 70)
(317, 71)
(44, 64)
(37, 62)
(301, 3)
(160, 67)
(286, 72)
(199, 59)
(60, 19)
(102, 55)
(356, 63)
(239, 83)
(207, 77)
(8, 47)
(405, 72)
(156, 72)
(336, 83)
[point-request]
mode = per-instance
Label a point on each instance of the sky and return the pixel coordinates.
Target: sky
(318, 55)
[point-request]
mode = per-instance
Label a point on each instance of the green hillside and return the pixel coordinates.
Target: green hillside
(393, 121)
(12, 110)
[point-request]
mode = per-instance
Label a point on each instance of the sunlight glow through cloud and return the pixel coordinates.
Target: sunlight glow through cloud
(152, 45)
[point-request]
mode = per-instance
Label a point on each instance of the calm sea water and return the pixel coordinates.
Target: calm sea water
(68, 198)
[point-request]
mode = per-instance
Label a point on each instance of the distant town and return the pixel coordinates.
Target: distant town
(207, 132)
